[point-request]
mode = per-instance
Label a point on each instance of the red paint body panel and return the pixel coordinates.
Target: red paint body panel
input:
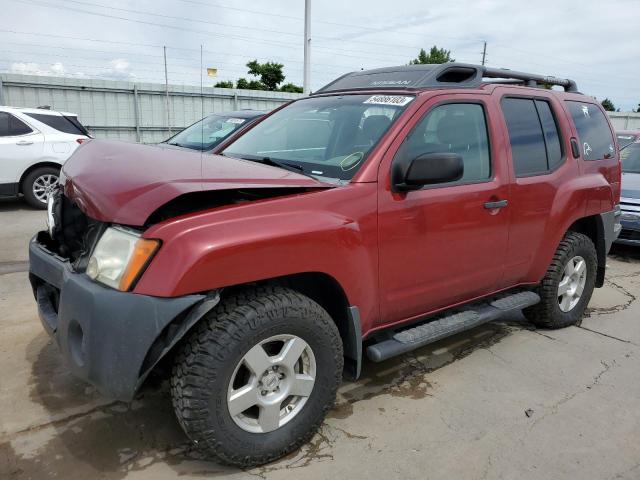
(397, 256)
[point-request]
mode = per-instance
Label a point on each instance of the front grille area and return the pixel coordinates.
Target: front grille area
(626, 234)
(74, 234)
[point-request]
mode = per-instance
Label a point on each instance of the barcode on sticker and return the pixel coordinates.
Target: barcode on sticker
(237, 121)
(397, 100)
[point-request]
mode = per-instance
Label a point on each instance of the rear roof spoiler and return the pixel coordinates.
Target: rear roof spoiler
(446, 75)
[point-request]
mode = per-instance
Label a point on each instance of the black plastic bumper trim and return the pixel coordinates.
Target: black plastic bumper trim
(103, 334)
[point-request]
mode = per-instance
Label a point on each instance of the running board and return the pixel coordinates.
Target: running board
(432, 331)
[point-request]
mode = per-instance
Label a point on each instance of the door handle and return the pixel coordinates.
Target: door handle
(496, 204)
(24, 142)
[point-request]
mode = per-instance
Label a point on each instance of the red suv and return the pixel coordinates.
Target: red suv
(390, 209)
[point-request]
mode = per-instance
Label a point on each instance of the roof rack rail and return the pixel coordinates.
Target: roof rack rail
(446, 75)
(530, 79)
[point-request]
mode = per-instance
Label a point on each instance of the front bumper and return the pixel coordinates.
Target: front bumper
(630, 234)
(104, 334)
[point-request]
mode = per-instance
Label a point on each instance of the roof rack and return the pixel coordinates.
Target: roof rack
(446, 75)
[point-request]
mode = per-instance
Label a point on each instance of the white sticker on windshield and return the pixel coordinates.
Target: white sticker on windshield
(237, 121)
(397, 100)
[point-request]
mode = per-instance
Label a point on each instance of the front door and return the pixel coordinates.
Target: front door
(444, 244)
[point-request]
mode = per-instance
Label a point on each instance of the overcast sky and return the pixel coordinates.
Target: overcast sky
(594, 42)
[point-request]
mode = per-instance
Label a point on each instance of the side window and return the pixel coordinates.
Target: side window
(593, 130)
(11, 126)
(551, 136)
(454, 127)
(526, 137)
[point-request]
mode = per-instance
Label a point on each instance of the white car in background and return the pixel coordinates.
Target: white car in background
(34, 143)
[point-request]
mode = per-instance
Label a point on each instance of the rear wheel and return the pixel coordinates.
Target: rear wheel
(257, 377)
(568, 284)
(39, 184)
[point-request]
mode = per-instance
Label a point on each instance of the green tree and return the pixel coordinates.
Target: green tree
(608, 105)
(638, 109)
(224, 84)
(435, 55)
(270, 73)
(290, 87)
(245, 84)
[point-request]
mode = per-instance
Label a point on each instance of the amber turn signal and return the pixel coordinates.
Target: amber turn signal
(142, 253)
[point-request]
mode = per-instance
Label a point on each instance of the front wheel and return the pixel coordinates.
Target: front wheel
(256, 378)
(39, 184)
(568, 284)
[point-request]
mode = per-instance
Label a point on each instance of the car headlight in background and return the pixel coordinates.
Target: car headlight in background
(120, 257)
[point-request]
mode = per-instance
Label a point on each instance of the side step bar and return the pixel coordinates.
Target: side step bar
(432, 331)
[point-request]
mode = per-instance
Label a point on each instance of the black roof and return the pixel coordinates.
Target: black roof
(446, 75)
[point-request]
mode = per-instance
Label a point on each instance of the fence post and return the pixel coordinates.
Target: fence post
(136, 112)
(235, 100)
(1, 93)
(626, 122)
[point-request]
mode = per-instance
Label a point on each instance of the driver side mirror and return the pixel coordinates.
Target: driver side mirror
(428, 169)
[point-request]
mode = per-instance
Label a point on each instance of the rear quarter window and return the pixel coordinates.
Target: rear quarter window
(59, 122)
(594, 134)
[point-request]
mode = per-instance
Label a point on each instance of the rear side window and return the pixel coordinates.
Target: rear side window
(593, 129)
(11, 126)
(59, 122)
(533, 134)
(551, 136)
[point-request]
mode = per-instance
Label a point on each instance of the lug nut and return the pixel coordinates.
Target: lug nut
(274, 368)
(281, 376)
(264, 392)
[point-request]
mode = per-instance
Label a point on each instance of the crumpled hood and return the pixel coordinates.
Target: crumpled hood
(125, 182)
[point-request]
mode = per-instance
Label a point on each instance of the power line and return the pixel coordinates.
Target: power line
(145, 22)
(173, 17)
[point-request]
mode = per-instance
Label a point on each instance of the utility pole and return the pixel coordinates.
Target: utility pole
(306, 87)
(166, 89)
(484, 53)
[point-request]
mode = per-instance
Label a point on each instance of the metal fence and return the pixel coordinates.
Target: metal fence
(138, 111)
(131, 111)
(625, 120)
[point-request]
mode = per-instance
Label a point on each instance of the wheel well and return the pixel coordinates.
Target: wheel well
(32, 168)
(320, 287)
(593, 228)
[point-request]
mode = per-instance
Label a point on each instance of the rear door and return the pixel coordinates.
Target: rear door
(538, 145)
(444, 244)
(20, 146)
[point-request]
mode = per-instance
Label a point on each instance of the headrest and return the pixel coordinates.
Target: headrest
(455, 129)
(374, 125)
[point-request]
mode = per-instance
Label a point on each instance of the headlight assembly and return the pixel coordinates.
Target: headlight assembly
(120, 257)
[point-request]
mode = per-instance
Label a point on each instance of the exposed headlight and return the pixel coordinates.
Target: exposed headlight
(120, 258)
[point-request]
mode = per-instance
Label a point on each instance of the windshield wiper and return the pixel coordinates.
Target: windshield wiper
(277, 163)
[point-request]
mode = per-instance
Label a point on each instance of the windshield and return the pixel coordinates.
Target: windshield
(208, 132)
(324, 136)
(630, 158)
(624, 139)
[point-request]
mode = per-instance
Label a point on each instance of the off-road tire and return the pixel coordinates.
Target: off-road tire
(27, 185)
(547, 313)
(206, 361)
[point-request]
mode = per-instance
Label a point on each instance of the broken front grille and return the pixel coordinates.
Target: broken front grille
(74, 234)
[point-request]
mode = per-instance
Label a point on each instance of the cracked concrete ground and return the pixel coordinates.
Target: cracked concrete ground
(501, 401)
